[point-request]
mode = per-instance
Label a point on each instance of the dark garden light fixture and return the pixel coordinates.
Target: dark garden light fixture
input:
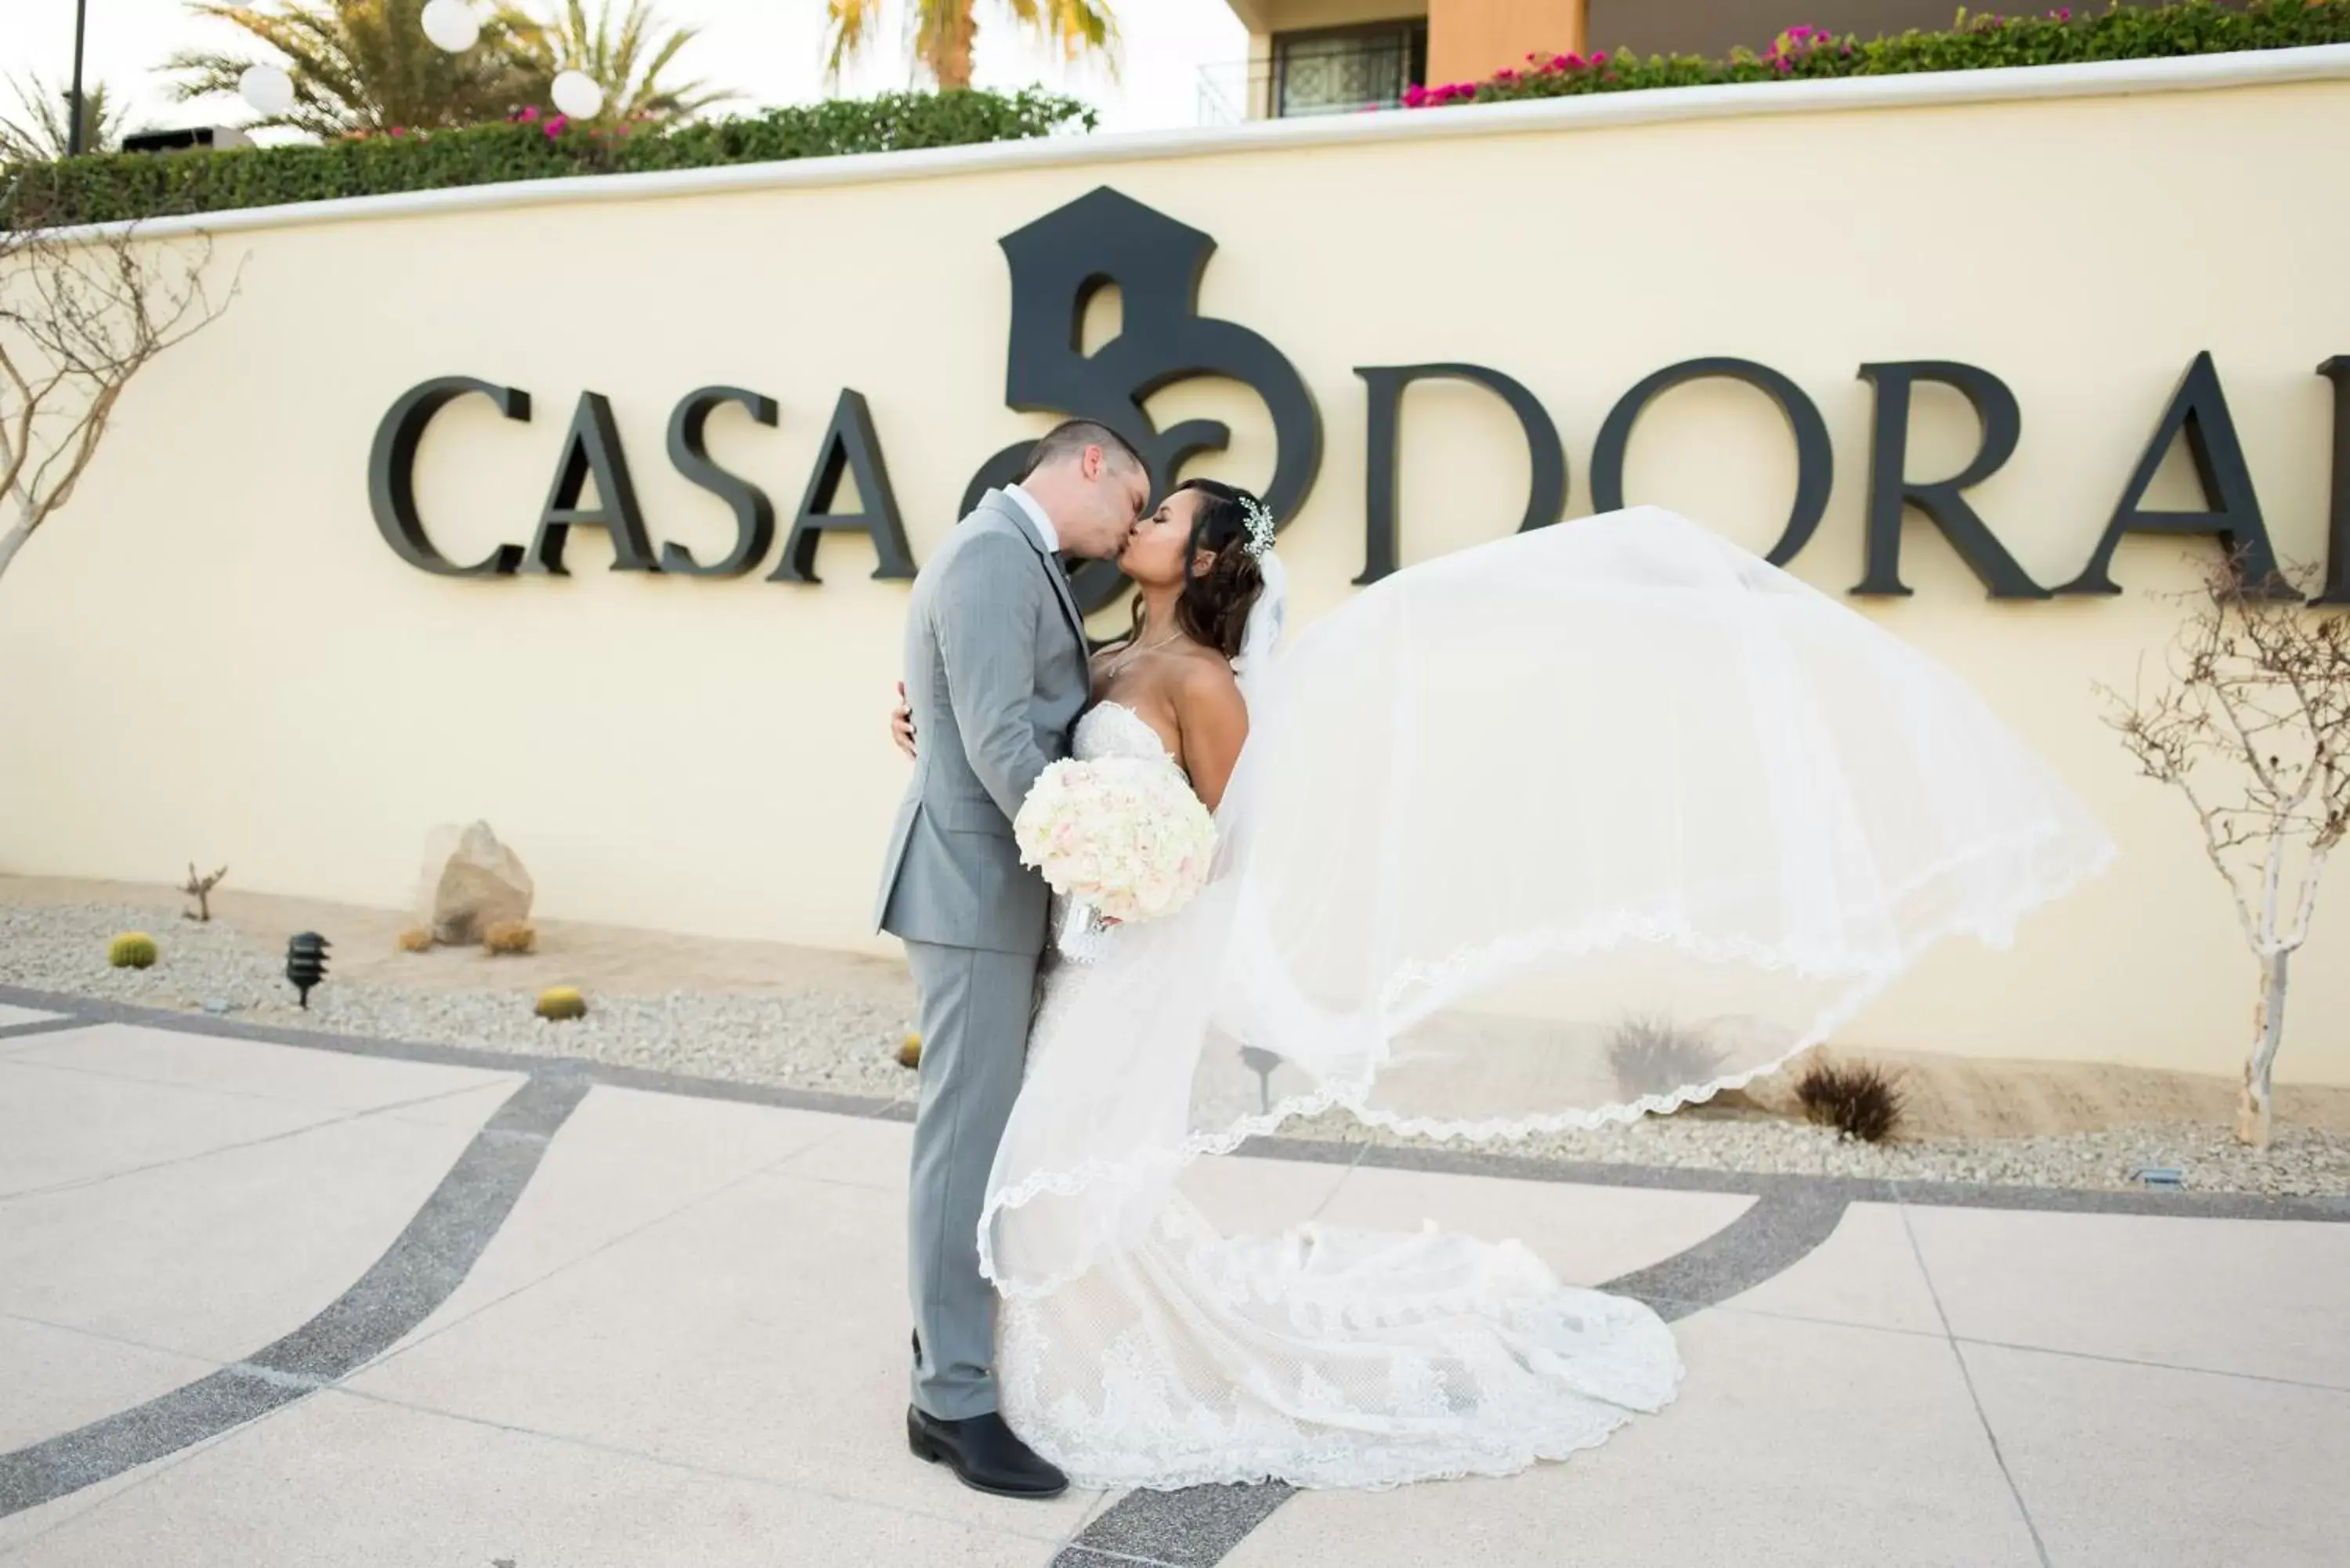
(306, 962)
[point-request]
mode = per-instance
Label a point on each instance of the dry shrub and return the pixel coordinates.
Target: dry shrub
(416, 940)
(1860, 1102)
(507, 937)
(1649, 1056)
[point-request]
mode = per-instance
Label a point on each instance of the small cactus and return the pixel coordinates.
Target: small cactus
(505, 936)
(910, 1051)
(559, 1002)
(416, 940)
(131, 950)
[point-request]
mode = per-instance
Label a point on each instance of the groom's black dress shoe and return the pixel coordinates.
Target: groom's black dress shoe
(984, 1454)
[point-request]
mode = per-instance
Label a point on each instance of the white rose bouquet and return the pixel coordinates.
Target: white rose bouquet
(1125, 837)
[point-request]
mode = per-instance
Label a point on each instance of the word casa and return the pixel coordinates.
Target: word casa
(592, 450)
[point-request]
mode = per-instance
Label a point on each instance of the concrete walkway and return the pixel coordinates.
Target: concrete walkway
(291, 1301)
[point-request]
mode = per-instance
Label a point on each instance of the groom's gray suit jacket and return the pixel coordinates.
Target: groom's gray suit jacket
(996, 674)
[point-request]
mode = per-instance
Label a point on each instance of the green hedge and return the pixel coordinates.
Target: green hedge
(110, 187)
(1974, 43)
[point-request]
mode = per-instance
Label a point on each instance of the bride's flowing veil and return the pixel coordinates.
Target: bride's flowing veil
(1586, 823)
(1261, 638)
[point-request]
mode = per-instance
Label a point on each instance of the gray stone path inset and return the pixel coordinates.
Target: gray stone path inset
(1194, 1527)
(1778, 1233)
(415, 1276)
(39, 1026)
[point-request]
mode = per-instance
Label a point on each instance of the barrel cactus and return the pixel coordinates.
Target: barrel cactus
(131, 950)
(505, 936)
(559, 1002)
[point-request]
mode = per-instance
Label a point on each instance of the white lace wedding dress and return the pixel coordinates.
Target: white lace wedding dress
(1321, 1357)
(1580, 826)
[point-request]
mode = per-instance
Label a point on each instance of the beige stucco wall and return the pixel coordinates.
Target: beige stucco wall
(214, 656)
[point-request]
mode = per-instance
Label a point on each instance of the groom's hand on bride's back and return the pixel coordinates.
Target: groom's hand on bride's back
(901, 722)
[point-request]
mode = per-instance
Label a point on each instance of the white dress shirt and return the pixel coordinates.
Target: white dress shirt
(1036, 514)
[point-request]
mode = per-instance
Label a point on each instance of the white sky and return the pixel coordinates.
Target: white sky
(769, 50)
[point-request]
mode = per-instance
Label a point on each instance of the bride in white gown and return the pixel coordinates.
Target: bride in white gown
(1586, 824)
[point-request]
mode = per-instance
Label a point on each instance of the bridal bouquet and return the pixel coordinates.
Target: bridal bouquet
(1126, 837)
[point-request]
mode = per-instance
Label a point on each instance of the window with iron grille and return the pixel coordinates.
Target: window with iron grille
(1348, 68)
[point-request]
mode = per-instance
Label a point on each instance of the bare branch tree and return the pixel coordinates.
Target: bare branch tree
(2253, 730)
(79, 316)
(200, 889)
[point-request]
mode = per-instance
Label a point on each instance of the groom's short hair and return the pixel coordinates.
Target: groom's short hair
(1070, 437)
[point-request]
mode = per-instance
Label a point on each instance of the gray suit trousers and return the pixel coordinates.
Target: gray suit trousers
(975, 1012)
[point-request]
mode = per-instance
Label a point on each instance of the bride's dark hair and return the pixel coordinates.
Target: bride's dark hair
(1214, 608)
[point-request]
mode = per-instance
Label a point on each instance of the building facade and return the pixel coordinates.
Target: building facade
(1336, 57)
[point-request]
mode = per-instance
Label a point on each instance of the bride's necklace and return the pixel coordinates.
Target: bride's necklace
(1124, 658)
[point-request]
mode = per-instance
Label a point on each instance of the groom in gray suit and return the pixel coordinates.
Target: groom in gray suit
(995, 676)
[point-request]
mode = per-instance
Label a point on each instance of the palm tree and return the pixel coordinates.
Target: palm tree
(43, 132)
(627, 66)
(366, 64)
(943, 30)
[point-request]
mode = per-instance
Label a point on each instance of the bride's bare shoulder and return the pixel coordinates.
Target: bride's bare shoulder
(1207, 696)
(1205, 677)
(1213, 719)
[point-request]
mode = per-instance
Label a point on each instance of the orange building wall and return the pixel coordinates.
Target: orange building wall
(1469, 39)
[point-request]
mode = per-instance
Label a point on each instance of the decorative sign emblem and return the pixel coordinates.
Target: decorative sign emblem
(1059, 263)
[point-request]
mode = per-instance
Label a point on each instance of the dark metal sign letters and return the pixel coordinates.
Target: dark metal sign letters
(1062, 261)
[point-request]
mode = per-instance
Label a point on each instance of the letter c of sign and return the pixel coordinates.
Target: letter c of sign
(391, 473)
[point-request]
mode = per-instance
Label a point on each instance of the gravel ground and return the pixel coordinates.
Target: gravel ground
(2303, 1162)
(815, 1040)
(846, 1041)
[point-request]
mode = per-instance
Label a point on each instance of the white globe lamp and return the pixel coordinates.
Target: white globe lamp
(578, 94)
(451, 26)
(266, 90)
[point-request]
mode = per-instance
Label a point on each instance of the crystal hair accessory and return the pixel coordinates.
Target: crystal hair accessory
(1259, 522)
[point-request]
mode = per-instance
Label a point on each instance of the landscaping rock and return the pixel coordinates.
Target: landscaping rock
(471, 883)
